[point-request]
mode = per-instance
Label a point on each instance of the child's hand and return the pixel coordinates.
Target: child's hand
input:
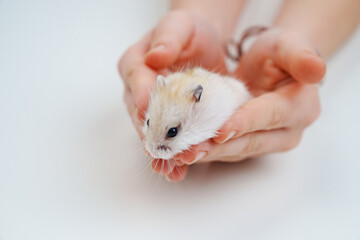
(178, 38)
(275, 120)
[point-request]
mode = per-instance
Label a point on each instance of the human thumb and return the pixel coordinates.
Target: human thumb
(170, 36)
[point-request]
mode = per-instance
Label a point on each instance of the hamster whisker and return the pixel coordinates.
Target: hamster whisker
(158, 181)
(136, 151)
(157, 162)
(159, 176)
(135, 156)
(152, 172)
(172, 174)
(146, 166)
(180, 171)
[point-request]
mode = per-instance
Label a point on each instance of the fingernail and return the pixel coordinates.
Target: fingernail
(168, 179)
(231, 134)
(199, 156)
(157, 48)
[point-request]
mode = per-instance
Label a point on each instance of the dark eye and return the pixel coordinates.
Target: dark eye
(148, 122)
(172, 132)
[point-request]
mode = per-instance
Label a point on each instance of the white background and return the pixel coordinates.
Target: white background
(72, 167)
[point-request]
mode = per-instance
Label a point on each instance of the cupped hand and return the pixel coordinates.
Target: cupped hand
(279, 69)
(178, 39)
(278, 55)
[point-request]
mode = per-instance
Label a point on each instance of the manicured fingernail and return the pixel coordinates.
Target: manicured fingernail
(157, 48)
(199, 156)
(231, 134)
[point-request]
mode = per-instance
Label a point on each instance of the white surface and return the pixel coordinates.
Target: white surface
(72, 167)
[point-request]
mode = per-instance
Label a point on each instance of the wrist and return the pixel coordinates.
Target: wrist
(217, 26)
(221, 18)
(313, 35)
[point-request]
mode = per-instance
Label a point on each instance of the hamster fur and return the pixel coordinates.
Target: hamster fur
(187, 108)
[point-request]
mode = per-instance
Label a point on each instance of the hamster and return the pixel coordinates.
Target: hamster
(187, 108)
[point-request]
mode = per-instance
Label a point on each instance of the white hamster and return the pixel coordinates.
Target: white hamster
(187, 108)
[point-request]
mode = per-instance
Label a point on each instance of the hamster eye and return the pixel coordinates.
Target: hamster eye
(172, 132)
(148, 122)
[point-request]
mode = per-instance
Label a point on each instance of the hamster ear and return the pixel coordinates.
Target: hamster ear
(197, 91)
(161, 81)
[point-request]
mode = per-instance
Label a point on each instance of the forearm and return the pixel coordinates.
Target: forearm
(328, 23)
(221, 14)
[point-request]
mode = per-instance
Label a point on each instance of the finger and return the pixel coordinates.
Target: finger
(133, 113)
(178, 174)
(179, 163)
(300, 59)
(163, 167)
(141, 86)
(268, 111)
(254, 144)
(170, 36)
(138, 78)
(194, 153)
(133, 57)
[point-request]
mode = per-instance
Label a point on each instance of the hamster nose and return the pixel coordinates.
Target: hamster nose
(163, 148)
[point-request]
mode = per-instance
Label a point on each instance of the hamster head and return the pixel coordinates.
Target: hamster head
(173, 104)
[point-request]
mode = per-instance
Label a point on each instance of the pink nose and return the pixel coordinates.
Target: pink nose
(163, 148)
